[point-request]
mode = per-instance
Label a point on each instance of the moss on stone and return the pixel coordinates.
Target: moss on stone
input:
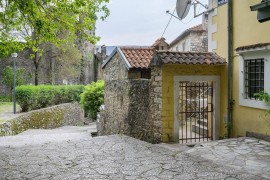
(52, 117)
(35, 120)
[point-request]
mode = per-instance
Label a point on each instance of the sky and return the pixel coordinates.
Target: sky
(142, 22)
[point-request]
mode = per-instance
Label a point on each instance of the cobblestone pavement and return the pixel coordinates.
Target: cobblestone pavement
(70, 153)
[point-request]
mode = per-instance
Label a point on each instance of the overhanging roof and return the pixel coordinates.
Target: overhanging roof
(133, 56)
(190, 58)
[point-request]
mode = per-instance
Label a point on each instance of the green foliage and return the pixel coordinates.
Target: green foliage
(8, 75)
(264, 96)
(40, 21)
(92, 98)
(36, 97)
(32, 24)
(4, 99)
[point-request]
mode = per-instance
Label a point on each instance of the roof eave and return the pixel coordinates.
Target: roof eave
(248, 50)
(117, 49)
(109, 58)
(128, 66)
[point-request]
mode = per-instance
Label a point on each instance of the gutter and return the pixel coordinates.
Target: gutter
(230, 75)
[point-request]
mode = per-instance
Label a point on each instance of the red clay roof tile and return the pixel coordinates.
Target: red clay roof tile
(194, 58)
(138, 57)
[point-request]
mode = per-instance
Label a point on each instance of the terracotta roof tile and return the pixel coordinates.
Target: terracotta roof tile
(194, 58)
(253, 46)
(138, 57)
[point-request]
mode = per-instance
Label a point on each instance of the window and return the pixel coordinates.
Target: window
(254, 77)
(254, 70)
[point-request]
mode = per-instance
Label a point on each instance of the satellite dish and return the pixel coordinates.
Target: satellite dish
(182, 8)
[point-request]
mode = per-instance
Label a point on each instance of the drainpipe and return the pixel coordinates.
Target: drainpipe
(230, 58)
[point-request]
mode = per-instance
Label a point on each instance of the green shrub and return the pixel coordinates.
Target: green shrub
(4, 99)
(92, 98)
(36, 97)
(264, 96)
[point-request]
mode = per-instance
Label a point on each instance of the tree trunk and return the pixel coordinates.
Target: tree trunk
(36, 76)
(36, 62)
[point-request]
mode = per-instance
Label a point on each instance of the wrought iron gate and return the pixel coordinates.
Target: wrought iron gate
(195, 111)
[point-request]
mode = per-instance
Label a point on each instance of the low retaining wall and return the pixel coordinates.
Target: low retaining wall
(52, 117)
(258, 136)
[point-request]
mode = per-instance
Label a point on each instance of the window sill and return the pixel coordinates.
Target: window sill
(254, 104)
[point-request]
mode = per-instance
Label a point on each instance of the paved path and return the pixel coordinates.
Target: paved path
(247, 154)
(71, 153)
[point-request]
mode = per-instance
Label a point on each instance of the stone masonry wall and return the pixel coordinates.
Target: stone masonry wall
(156, 102)
(127, 110)
(195, 42)
(115, 69)
(52, 117)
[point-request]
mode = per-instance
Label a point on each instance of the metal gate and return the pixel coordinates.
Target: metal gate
(195, 111)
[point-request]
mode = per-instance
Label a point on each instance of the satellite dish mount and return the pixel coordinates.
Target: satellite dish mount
(183, 7)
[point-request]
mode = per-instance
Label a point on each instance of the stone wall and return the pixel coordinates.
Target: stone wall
(115, 69)
(52, 117)
(127, 110)
(156, 102)
(194, 41)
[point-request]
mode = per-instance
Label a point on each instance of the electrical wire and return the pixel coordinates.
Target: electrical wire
(168, 23)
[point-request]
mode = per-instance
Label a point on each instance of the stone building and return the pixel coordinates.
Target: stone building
(193, 39)
(128, 63)
(127, 94)
(171, 69)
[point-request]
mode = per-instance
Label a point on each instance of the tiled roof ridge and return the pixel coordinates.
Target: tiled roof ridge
(176, 57)
(185, 52)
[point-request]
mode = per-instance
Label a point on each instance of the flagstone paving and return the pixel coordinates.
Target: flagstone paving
(71, 153)
(247, 154)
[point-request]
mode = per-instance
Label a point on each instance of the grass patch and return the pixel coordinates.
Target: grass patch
(6, 107)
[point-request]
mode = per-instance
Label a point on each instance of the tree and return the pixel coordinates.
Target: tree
(8, 75)
(33, 23)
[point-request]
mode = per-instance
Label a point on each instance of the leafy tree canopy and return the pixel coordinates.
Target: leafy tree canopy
(31, 23)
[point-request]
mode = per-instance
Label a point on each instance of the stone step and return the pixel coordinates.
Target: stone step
(202, 130)
(203, 122)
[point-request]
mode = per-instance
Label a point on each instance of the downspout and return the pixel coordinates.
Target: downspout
(230, 58)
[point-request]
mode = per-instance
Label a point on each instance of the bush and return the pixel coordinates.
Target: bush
(4, 99)
(264, 96)
(92, 98)
(36, 97)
